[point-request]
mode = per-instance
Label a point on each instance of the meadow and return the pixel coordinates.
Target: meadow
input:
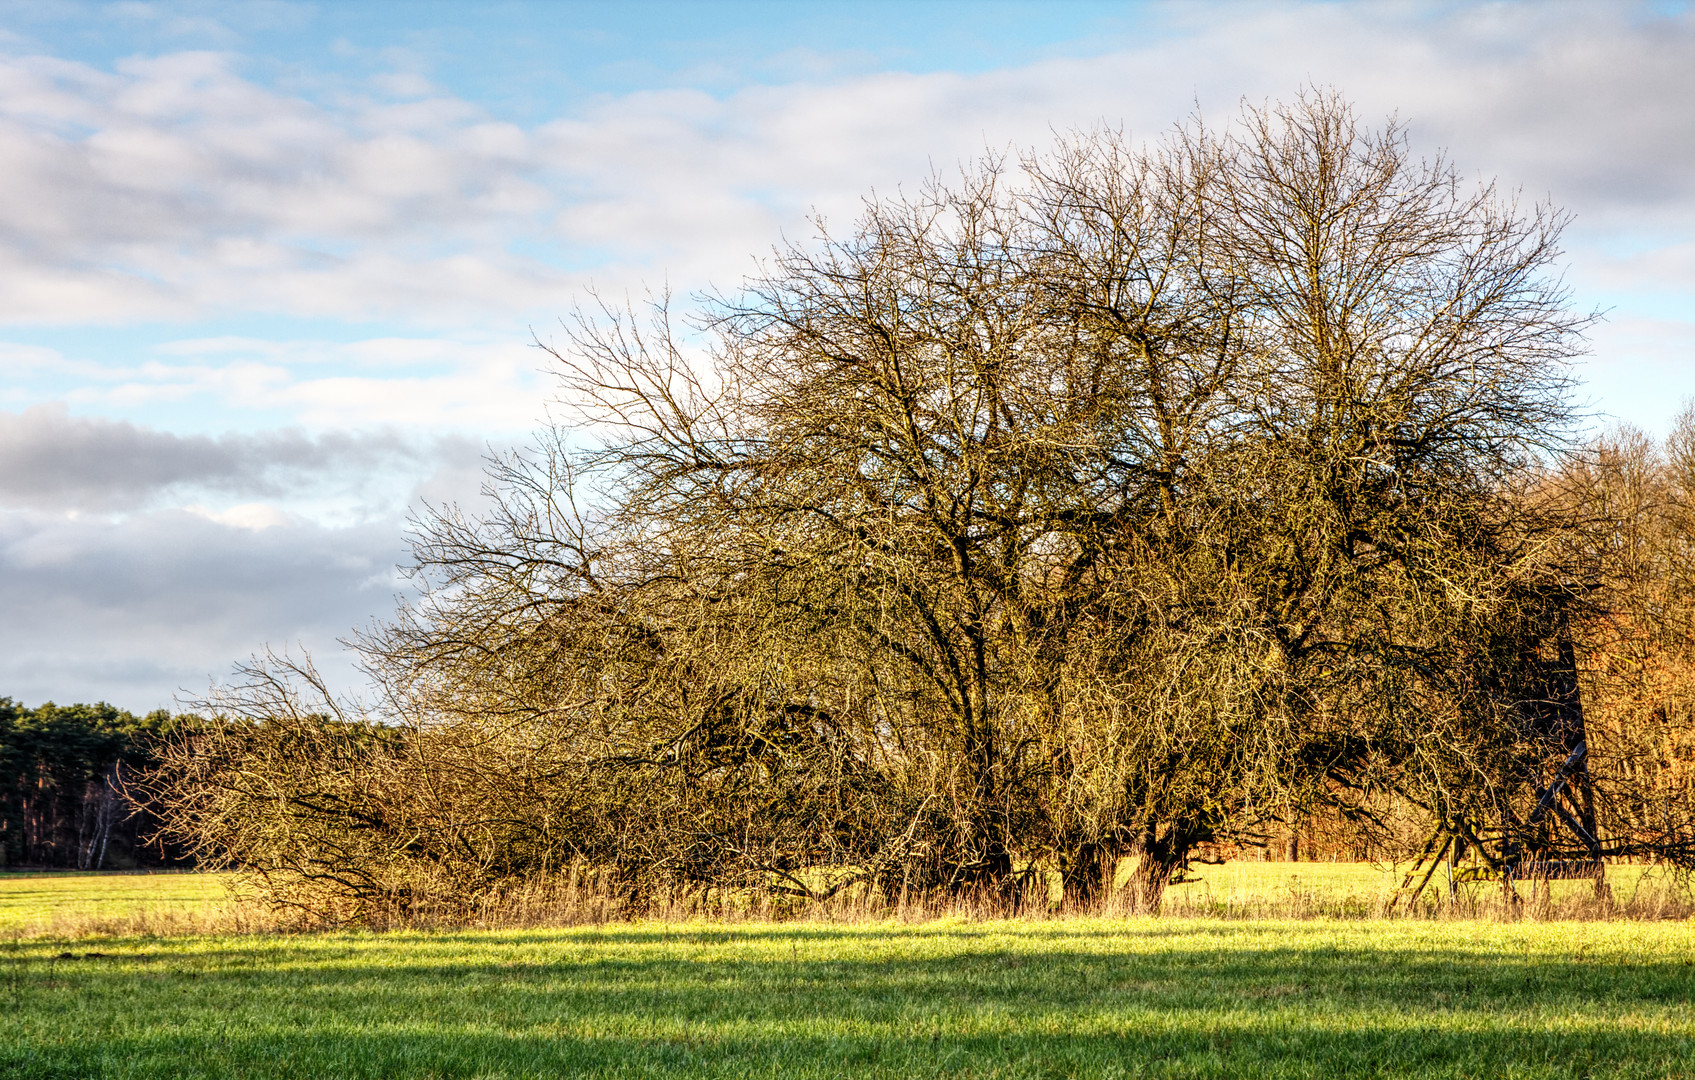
(1155, 997)
(76, 904)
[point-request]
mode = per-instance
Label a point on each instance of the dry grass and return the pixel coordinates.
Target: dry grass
(72, 906)
(1244, 890)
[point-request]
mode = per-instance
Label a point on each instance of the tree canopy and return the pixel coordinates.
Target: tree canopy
(1109, 501)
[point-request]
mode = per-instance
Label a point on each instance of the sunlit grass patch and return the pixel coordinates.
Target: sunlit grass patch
(1365, 890)
(69, 903)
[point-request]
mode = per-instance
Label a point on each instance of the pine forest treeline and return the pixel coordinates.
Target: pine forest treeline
(1102, 507)
(64, 799)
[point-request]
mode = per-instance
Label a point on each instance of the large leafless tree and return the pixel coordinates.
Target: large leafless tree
(1108, 502)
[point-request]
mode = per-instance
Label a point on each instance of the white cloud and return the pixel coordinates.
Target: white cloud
(16, 359)
(1667, 265)
(254, 517)
(416, 383)
(497, 389)
(172, 185)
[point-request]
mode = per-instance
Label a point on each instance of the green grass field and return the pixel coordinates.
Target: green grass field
(1173, 997)
(37, 903)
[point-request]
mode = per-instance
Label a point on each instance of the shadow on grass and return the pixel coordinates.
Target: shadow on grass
(621, 1004)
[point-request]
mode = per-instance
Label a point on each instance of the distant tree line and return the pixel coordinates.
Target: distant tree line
(1114, 506)
(64, 776)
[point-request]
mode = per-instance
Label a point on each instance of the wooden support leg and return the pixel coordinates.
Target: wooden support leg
(1510, 898)
(1425, 853)
(1453, 885)
(1603, 891)
(1435, 861)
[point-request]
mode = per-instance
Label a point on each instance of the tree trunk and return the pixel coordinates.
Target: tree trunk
(1147, 884)
(1087, 875)
(991, 879)
(1158, 860)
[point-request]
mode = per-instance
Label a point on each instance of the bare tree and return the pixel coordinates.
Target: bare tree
(1107, 504)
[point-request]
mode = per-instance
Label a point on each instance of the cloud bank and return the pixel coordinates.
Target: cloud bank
(173, 186)
(50, 460)
(135, 611)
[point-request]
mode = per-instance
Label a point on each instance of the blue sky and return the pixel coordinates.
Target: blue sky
(531, 61)
(269, 272)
